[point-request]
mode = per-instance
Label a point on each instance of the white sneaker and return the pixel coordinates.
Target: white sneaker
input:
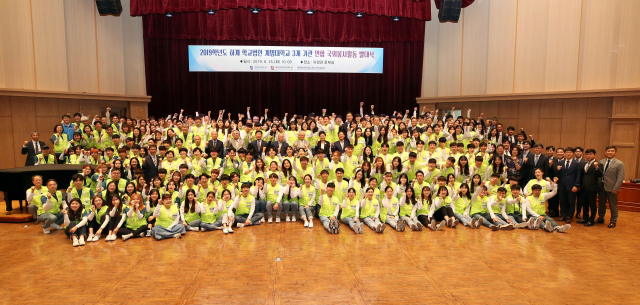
(441, 225)
(277, 219)
(125, 237)
(81, 241)
(142, 235)
(288, 219)
(193, 229)
(148, 233)
(306, 223)
(96, 237)
(225, 231)
(90, 238)
(201, 229)
(293, 219)
(270, 220)
(75, 243)
(109, 238)
(241, 224)
(230, 230)
(46, 230)
(537, 223)
(262, 220)
(548, 227)
(310, 223)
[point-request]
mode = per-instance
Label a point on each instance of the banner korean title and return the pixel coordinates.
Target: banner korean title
(284, 59)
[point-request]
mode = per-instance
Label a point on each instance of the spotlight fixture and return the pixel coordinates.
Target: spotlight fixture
(395, 18)
(169, 14)
(211, 11)
(359, 15)
(255, 10)
(309, 12)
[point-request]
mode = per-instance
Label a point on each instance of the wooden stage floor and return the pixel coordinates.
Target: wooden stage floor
(593, 265)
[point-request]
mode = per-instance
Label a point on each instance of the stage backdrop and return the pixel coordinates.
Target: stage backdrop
(173, 87)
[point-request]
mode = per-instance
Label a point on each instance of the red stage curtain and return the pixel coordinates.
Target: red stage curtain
(404, 8)
(173, 87)
(293, 26)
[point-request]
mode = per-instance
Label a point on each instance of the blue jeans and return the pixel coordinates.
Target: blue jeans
(465, 220)
(546, 218)
(261, 206)
(48, 219)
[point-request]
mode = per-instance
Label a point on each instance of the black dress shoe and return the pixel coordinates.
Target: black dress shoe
(563, 218)
(589, 224)
(582, 221)
(612, 225)
(599, 220)
(578, 216)
(568, 220)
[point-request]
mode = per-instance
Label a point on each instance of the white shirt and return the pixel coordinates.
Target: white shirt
(36, 146)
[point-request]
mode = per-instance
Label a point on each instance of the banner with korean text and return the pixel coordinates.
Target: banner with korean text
(284, 59)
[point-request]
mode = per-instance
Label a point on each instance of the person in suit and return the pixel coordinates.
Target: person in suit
(258, 145)
(579, 157)
(533, 162)
(215, 143)
(554, 202)
(280, 145)
(323, 144)
(342, 143)
(32, 148)
(569, 176)
(592, 171)
(612, 178)
(151, 163)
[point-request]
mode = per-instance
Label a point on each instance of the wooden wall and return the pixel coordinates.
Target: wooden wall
(589, 119)
(58, 45)
(22, 112)
(516, 46)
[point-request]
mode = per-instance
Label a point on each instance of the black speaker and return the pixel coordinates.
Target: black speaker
(450, 10)
(109, 7)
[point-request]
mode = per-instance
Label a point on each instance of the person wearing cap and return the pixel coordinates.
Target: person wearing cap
(45, 157)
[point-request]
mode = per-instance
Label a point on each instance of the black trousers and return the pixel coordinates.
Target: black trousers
(554, 206)
(113, 222)
(590, 205)
(94, 223)
(136, 232)
(442, 212)
(567, 203)
(81, 231)
(424, 220)
(582, 202)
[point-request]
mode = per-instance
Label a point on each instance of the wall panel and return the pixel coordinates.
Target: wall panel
(508, 109)
(17, 44)
(531, 46)
(80, 25)
(597, 44)
(574, 113)
(49, 44)
(450, 58)
(7, 155)
(551, 108)
(599, 107)
(598, 132)
(628, 63)
(549, 131)
(563, 45)
(475, 48)
(134, 72)
(110, 55)
(501, 46)
(47, 107)
(23, 121)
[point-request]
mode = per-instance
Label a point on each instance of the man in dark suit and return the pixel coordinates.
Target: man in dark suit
(259, 145)
(280, 145)
(342, 143)
(32, 148)
(591, 173)
(554, 202)
(215, 143)
(151, 163)
(579, 155)
(533, 162)
(569, 176)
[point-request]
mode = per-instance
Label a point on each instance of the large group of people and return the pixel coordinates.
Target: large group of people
(162, 177)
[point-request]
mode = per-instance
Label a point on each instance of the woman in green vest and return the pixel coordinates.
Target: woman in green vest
(214, 216)
(59, 140)
(441, 209)
(116, 218)
(167, 218)
(136, 225)
(351, 211)
(408, 206)
(370, 212)
(258, 191)
(462, 206)
(358, 183)
(98, 218)
(190, 212)
(425, 201)
(390, 210)
(290, 199)
(307, 201)
(75, 219)
(153, 200)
